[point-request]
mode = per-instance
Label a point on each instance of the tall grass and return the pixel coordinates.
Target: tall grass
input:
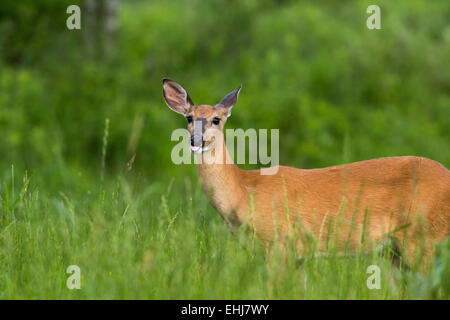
(163, 241)
(136, 234)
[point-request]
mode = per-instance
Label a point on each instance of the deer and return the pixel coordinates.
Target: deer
(403, 201)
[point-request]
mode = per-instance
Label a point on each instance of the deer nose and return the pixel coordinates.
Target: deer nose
(196, 140)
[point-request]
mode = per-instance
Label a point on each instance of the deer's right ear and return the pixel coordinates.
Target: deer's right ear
(176, 97)
(230, 100)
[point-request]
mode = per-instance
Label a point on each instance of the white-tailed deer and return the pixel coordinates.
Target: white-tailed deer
(399, 198)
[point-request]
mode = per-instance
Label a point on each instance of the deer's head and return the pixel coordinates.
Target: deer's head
(202, 119)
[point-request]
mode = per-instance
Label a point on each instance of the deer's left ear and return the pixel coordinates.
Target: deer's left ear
(230, 100)
(176, 97)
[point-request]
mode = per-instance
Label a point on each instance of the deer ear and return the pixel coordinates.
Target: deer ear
(176, 97)
(230, 100)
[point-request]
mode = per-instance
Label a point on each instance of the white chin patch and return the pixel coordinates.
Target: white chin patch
(196, 149)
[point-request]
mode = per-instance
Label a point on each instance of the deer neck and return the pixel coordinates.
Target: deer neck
(221, 180)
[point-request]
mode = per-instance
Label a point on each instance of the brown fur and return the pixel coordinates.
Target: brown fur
(378, 196)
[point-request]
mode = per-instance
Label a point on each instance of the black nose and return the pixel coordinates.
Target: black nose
(196, 140)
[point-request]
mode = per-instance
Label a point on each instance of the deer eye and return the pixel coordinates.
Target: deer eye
(189, 119)
(216, 120)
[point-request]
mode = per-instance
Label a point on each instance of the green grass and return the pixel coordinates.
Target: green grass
(337, 91)
(138, 239)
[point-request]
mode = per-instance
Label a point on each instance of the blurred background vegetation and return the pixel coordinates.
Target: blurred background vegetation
(337, 91)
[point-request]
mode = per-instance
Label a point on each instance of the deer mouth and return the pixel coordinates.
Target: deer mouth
(204, 148)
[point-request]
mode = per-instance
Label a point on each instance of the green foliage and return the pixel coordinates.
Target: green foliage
(337, 91)
(139, 241)
(313, 70)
